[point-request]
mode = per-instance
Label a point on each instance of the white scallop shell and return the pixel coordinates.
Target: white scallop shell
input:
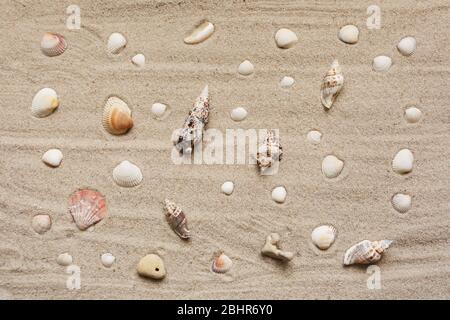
(279, 194)
(324, 236)
(44, 103)
(413, 115)
(332, 166)
(53, 44)
(64, 259)
(285, 38)
(221, 263)
(403, 161)
(138, 60)
(41, 223)
(246, 68)
(238, 114)
(202, 32)
(407, 46)
(107, 259)
(158, 109)
(349, 34)
(116, 43)
(127, 174)
(287, 82)
(227, 187)
(52, 157)
(381, 63)
(314, 136)
(401, 202)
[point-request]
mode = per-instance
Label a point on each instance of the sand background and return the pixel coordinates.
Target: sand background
(365, 128)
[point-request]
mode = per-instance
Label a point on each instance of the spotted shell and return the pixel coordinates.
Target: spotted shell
(332, 84)
(366, 252)
(177, 219)
(87, 207)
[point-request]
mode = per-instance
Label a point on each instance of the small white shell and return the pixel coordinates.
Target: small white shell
(138, 60)
(401, 202)
(285, 38)
(41, 223)
(407, 46)
(158, 109)
(44, 103)
(238, 114)
(381, 63)
(279, 194)
(314, 136)
(246, 68)
(324, 236)
(202, 32)
(413, 115)
(349, 34)
(287, 82)
(227, 187)
(221, 263)
(127, 174)
(52, 157)
(116, 43)
(403, 161)
(64, 259)
(107, 259)
(332, 166)
(53, 44)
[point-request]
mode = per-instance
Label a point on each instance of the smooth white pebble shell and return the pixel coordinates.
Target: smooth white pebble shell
(279, 194)
(413, 115)
(381, 63)
(202, 32)
(401, 202)
(116, 43)
(227, 187)
(64, 259)
(407, 46)
(107, 259)
(246, 68)
(332, 166)
(349, 34)
(285, 38)
(138, 60)
(127, 174)
(44, 103)
(403, 161)
(158, 109)
(287, 82)
(238, 114)
(314, 136)
(52, 157)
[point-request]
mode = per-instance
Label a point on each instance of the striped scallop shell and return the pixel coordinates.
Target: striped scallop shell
(366, 252)
(221, 263)
(116, 116)
(53, 44)
(127, 174)
(332, 84)
(44, 103)
(87, 207)
(324, 236)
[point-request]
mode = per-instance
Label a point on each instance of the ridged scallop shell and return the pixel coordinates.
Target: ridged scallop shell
(332, 166)
(116, 43)
(221, 263)
(44, 103)
(116, 116)
(53, 44)
(403, 161)
(401, 202)
(332, 84)
(177, 219)
(87, 207)
(366, 252)
(201, 32)
(323, 236)
(127, 174)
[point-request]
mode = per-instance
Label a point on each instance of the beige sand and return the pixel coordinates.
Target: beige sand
(365, 128)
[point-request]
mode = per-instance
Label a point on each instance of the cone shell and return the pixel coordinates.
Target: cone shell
(202, 32)
(87, 207)
(117, 116)
(403, 162)
(331, 85)
(177, 219)
(127, 174)
(221, 263)
(332, 166)
(323, 236)
(116, 43)
(44, 103)
(53, 44)
(366, 252)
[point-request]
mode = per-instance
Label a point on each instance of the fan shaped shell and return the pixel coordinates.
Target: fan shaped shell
(87, 207)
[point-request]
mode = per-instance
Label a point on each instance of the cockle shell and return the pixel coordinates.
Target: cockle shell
(332, 84)
(158, 109)
(407, 46)
(64, 259)
(41, 223)
(116, 116)
(238, 114)
(332, 166)
(52, 157)
(221, 263)
(201, 32)
(314, 136)
(413, 114)
(271, 248)
(246, 68)
(403, 161)
(324, 236)
(285, 38)
(107, 259)
(287, 82)
(177, 219)
(127, 174)
(381, 63)
(366, 252)
(269, 152)
(116, 43)
(401, 202)
(87, 207)
(349, 34)
(44, 103)
(138, 60)
(53, 44)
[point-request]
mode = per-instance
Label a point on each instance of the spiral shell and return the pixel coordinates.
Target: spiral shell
(127, 174)
(53, 44)
(177, 219)
(332, 84)
(116, 116)
(366, 252)
(87, 207)
(269, 152)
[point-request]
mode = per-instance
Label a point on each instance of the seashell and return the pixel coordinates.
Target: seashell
(127, 174)
(52, 157)
(246, 68)
(413, 115)
(366, 252)
(151, 266)
(324, 236)
(202, 32)
(381, 63)
(159, 109)
(349, 34)
(271, 248)
(287, 82)
(314, 136)
(403, 161)
(332, 166)
(87, 207)
(116, 116)
(221, 263)
(270, 152)
(138, 60)
(401, 202)
(177, 219)
(238, 114)
(116, 43)
(227, 187)
(44, 103)
(64, 259)
(285, 38)
(41, 223)
(332, 85)
(279, 194)
(107, 259)
(53, 44)
(407, 46)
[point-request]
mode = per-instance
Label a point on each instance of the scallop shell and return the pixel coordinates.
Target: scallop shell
(366, 252)
(381, 63)
(53, 44)
(177, 219)
(41, 223)
(401, 202)
(117, 116)
(332, 166)
(87, 207)
(285, 38)
(116, 43)
(332, 84)
(44, 103)
(127, 174)
(323, 236)
(221, 263)
(52, 157)
(407, 46)
(202, 32)
(403, 162)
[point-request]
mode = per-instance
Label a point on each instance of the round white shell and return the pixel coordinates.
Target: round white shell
(324, 236)
(246, 68)
(116, 43)
(332, 166)
(407, 46)
(221, 263)
(314, 136)
(349, 34)
(107, 259)
(52, 157)
(413, 115)
(381, 63)
(287, 82)
(64, 259)
(238, 114)
(138, 60)
(44, 103)
(227, 187)
(41, 223)
(285, 38)
(403, 161)
(127, 174)
(279, 194)
(401, 202)
(158, 109)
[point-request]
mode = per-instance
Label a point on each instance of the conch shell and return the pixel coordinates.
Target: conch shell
(332, 84)
(177, 219)
(366, 252)
(269, 152)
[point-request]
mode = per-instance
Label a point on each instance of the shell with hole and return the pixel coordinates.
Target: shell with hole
(332, 85)
(366, 252)
(127, 174)
(177, 220)
(87, 207)
(201, 32)
(53, 44)
(323, 236)
(44, 103)
(221, 263)
(116, 116)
